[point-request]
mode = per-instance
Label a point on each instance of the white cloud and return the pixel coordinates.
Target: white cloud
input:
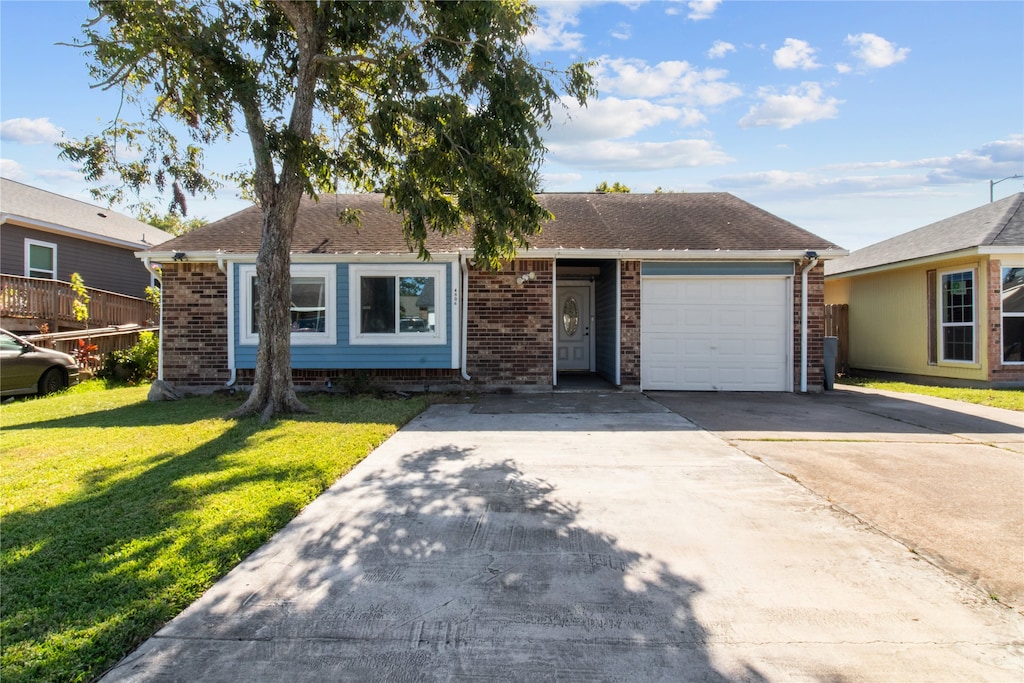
(702, 9)
(800, 104)
(610, 118)
(622, 31)
(843, 68)
(720, 49)
(12, 170)
(876, 52)
(551, 31)
(675, 79)
(29, 131)
(795, 54)
(637, 156)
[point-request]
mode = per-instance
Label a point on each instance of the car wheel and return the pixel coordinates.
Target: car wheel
(51, 381)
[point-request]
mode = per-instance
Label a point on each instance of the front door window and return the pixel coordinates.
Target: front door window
(570, 316)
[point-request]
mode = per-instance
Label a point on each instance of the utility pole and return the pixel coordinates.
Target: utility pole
(993, 183)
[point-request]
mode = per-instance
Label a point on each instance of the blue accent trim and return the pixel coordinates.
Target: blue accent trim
(343, 356)
(732, 268)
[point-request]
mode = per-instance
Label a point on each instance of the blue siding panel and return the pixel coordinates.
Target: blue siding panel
(344, 356)
(708, 268)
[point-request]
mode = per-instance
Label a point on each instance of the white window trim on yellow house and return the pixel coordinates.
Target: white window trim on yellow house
(948, 325)
(1003, 315)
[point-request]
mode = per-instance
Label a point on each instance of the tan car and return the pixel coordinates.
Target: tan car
(27, 369)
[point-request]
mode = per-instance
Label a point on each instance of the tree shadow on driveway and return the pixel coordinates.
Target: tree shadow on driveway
(440, 565)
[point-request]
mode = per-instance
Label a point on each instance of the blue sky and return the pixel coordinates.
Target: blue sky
(854, 120)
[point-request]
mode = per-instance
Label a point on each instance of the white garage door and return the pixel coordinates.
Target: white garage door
(714, 334)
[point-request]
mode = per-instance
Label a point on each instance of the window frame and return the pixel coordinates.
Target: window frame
(972, 325)
(1003, 315)
(29, 243)
(398, 338)
(329, 337)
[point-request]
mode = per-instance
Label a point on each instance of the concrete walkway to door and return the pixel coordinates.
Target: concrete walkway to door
(517, 541)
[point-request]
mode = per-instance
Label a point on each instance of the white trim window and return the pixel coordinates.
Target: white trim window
(1013, 315)
(397, 304)
(313, 311)
(40, 259)
(956, 316)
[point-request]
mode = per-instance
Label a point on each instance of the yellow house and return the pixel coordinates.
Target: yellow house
(945, 300)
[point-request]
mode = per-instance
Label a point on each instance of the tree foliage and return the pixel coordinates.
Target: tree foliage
(172, 221)
(615, 187)
(437, 104)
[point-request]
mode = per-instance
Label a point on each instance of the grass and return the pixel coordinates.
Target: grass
(117, 513)
(1011, 399)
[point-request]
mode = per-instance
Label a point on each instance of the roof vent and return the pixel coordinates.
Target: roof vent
(101, 214)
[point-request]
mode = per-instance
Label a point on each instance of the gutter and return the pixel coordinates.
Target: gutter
(813, 256)
(160, 339)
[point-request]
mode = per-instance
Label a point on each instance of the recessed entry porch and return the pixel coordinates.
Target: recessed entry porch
(586, 323)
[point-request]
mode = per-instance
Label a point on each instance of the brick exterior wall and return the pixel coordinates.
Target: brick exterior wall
(997, 372)
(510, 332)
(510, 325)
(195, 324)
(815, 328)
(629, 295)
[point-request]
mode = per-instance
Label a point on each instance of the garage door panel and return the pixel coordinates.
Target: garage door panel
(715, 334)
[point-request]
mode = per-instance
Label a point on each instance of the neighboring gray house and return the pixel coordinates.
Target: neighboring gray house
(46, 235)
(688, 291)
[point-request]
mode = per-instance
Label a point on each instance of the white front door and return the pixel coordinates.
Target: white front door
(573, 322)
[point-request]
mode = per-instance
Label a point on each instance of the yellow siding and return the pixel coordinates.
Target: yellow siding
(889, 320)
(837, 291)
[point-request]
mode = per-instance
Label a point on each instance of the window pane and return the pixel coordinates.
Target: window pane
(40, 258)
(254, 315)
(309, 312)
(377, 297)
(1013, 339)
(1013, 290)
(958, 343)
(416, 302)
(958, 298)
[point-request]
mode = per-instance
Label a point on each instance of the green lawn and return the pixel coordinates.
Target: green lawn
(1011, 399)
(117, 513)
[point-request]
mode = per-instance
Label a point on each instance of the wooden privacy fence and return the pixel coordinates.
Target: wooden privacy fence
(837, 324)
(35, 301)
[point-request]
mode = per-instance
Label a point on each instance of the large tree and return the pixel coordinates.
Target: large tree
(437, 104)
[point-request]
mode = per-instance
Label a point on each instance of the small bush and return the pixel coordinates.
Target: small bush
(137, 364)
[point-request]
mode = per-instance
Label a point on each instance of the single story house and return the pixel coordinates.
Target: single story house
(659, 291)
(945, 300)
(49, 236)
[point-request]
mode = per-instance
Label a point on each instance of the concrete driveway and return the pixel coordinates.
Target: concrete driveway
(606, 538)
(944, 478)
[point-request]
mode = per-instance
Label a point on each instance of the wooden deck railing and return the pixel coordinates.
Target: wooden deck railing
(50, 301)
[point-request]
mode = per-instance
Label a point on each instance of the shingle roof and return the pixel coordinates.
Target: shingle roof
(638, 222)
(997, 224)
(47, 209)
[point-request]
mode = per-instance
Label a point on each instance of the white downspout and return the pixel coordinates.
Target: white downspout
(803, 319)
(146, 261)
(464, 322)
(222, 266)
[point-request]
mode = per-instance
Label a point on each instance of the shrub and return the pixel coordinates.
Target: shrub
(139, 363)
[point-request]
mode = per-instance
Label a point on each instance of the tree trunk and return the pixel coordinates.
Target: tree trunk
(273, 392)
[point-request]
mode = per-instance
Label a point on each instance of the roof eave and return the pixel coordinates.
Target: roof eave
(46, 226)
(924, 260)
